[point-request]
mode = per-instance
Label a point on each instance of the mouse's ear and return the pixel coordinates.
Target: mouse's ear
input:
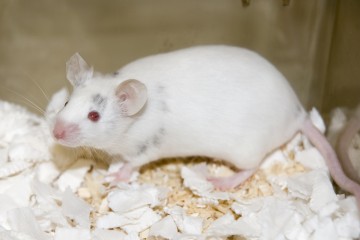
(77, 70)
(132, 95)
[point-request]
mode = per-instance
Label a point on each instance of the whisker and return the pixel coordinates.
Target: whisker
(78, 152)
(85, 152)
(94, 153)
(38, 85)
(99, 153)
(32, 103)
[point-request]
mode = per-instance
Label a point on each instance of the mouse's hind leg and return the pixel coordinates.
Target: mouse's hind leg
(226, 183)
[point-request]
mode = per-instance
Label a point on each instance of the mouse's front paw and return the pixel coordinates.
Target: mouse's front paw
(122, 174)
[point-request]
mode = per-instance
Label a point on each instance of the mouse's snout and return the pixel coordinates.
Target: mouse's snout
(65, 131)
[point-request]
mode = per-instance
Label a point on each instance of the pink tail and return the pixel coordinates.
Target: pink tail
(343, 144)
(336, 171)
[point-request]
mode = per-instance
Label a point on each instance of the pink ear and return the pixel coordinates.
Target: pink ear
(77, 70)
(132, 95)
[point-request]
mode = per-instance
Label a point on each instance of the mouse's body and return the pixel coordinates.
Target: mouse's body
(217, 101)
(201, 101)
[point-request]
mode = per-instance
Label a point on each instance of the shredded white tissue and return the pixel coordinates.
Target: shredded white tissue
(201, 187)
(76, 209)
(165, 228)
(23, 220)
(317, 120)
(105, 234)
(24, 139)
(74, 175)
(227, 225)
(72, 234)
(133, 221)
(187, 224)
(323, 193)
(47, 172)
(46, 207)
(131, 207)
(12, 235)
(136, 196)
(311, 158)
(6, 204)
(18, 188)
(291, 197)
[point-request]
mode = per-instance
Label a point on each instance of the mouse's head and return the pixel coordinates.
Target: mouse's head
(99, 108)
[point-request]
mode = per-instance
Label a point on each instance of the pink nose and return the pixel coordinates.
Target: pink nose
(64, 130)
(59, 131)
(59, 134)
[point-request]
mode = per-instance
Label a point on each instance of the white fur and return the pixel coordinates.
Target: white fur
(218, 101)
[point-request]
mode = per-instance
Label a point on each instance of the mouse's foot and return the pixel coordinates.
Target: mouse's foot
(122, 175)
(226, 183)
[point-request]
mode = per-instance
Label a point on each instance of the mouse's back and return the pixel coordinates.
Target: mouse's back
(217, 100)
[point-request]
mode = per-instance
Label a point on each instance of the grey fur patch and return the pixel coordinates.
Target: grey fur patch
(162, 131)
(99, 100)
(154, 141)
(142, 148)
(116, 73)
(158, 137)
(164, 107)
(160, 89)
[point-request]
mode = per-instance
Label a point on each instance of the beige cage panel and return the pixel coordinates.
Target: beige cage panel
(315, 44)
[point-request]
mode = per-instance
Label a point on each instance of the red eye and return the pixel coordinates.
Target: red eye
(94, 116)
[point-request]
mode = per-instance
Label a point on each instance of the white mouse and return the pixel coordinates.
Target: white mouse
(217, 101)
(344, 142)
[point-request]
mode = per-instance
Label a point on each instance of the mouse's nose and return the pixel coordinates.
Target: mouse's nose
(59, 131)
(58, 134)
(65, 131)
